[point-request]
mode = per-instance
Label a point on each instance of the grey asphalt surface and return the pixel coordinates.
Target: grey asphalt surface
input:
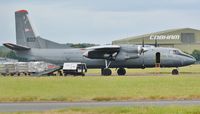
(19, 107)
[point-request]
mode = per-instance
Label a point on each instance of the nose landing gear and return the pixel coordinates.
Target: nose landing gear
(175, 72)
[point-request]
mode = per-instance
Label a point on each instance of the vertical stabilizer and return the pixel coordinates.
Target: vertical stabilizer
(25, 35)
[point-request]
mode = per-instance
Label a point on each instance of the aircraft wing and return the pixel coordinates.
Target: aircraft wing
(16, 47)
(102, 52)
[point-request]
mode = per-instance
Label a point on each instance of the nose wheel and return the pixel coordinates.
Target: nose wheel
(175, 72)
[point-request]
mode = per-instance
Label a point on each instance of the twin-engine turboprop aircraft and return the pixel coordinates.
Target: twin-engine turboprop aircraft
(35, 48)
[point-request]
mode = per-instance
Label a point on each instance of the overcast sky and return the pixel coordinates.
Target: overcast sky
(98, 21)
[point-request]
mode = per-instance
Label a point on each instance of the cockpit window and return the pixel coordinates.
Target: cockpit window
(175, 52)
(178, 52)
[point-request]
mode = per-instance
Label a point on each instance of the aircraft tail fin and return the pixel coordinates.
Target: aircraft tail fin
(25, 35)
(16, 47)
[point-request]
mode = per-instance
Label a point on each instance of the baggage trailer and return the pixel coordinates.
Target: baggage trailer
(27, 68)
(74, 69)
(36, 67)
(8, 68)
(42, 68)
(21, 68)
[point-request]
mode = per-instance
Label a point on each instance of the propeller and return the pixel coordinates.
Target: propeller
(142, 51)
(156, 42)
(142, 48)
(143, 43)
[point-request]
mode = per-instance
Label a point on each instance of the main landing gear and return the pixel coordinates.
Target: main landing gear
(107, 72)
(121, 71)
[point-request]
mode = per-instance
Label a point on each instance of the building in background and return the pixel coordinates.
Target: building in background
(186, 39)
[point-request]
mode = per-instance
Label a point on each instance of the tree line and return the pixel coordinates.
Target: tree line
(196, 54)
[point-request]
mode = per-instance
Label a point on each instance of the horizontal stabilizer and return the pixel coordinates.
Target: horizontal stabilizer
(16, 47)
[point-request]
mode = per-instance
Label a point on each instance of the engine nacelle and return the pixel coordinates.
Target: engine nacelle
(122, 55)
(130, 48)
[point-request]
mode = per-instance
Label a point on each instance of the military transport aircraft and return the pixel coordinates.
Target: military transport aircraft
(35, 48)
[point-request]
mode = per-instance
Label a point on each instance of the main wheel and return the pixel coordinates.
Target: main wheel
(106, 72)
(175, 72)
(65, 74)
(121, 71)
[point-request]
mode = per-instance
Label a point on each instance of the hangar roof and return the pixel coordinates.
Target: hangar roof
(160, 32)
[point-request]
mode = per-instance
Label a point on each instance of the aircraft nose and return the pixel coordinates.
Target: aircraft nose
(189, 61)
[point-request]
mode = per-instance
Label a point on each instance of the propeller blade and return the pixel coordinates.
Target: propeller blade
(156, 43)
(143, 52)
(143, 42)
